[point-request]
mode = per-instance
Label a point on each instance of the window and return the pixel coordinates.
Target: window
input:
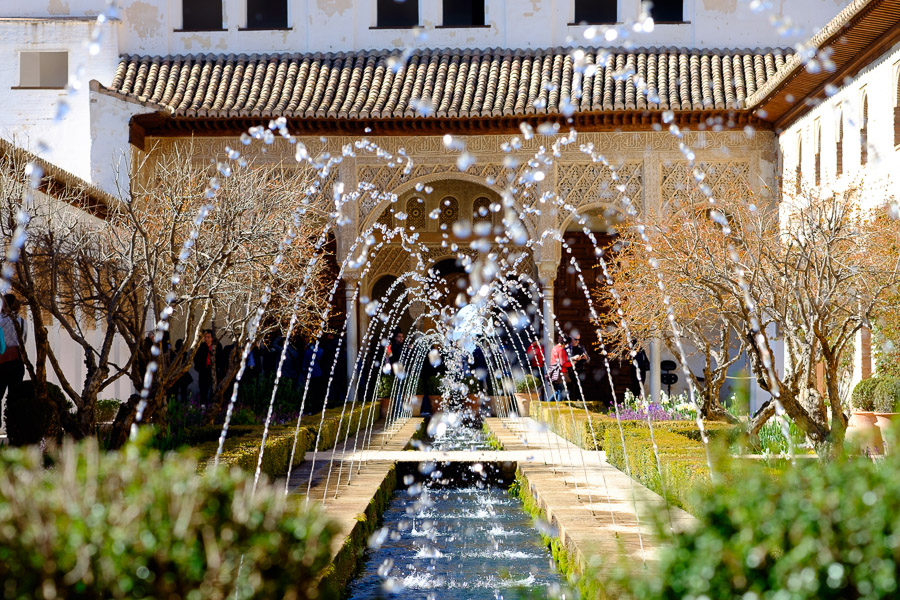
(839, 150)
(595, 11)
(667, 11)
(463, 13)
(449, 212)
(864, 132)
(818, 164)
(48, 70)
(201, 15)
(481, 211)
(398, 14)
(267, 14)
(798, 174)
(897, 112)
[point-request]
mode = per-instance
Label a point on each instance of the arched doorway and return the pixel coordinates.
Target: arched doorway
(572, 308)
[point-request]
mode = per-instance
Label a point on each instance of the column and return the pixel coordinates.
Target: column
(862, 355)
(549, 329)
(352, 336)
(655, 370)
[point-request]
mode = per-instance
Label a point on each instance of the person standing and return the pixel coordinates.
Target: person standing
(205, 364)
(535, 355)
(559, 366)
(12, 366)
(579, 356)
(395, 350)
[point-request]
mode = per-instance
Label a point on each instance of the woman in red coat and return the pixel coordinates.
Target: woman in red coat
(559, 356)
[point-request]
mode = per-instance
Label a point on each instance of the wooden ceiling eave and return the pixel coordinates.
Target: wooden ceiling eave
(163, 125)
(862, 40)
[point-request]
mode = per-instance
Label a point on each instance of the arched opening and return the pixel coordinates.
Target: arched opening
(572, 307)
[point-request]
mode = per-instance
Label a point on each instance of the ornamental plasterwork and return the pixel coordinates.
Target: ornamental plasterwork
(722, 179)
(580, 184)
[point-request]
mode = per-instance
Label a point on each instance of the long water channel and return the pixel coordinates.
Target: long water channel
(454, 532)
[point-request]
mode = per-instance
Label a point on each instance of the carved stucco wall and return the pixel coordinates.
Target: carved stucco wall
(645, 169)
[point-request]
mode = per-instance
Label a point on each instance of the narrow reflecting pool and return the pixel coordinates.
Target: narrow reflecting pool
(447, 534)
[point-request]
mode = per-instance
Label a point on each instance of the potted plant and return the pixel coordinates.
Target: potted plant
(527, 389)
(887, 398)
(383, 393)
(861, 429)
(434, 392)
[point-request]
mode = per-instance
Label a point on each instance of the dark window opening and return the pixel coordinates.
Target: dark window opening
(897, 115)
(201, 15)
(864, 133)
(839, 151)
(667, 11)
(267, 14)
(463, 13)
(398, 13)
(595, 11)
(818, 157)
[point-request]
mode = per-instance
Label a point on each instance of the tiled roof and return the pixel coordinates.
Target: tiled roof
(459, 83)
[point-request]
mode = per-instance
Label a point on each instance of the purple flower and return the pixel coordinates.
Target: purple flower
(654, 411)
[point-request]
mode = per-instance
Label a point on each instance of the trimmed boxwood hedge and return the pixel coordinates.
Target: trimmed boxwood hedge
(683, 461)
(242, 446)
(135, 524)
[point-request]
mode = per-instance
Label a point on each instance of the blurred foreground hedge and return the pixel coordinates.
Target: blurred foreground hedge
(817, 531)
(132, 524)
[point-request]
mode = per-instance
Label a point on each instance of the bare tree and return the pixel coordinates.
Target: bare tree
(817, 270)
(225, 275)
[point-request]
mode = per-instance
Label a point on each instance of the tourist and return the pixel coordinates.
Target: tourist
(639, 373)
(205, 364)
(184, 382)
(395, 349)
(535, 355)
(579, 357)
(12, 367)
(559, 366)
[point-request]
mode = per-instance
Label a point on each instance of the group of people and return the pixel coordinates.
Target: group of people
(567, 368)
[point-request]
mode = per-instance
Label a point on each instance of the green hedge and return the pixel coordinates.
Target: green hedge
(135, 524)
(242, 449)
(683, 460)
(818, 531)
(559, 420)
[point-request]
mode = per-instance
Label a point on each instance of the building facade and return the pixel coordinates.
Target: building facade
(729, 77)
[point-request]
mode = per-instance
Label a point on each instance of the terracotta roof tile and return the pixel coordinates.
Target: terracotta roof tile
(444, 83)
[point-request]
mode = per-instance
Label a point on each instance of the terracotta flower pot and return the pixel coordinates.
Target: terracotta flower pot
(523, 404)
(885, 420)
(383, 405)
(862, 432)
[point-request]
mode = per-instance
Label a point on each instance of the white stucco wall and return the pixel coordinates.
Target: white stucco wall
(29, 115)
(149, 26)
(881, 176)
(110, 150)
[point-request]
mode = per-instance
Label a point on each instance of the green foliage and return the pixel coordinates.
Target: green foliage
(106, 410)
(863, 396)
(528, 384)
(242, 444)
(433, 385)
(255, 394)
(29, 421)
(887, 394)
(135, 524)
(683, 460)
(771, 440)
(824, 531)
(385, 386)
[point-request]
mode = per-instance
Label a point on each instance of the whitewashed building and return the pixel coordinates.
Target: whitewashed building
(158, 71)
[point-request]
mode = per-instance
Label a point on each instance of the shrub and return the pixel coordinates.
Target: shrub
(433, 385)
(528, 384)
(133, 524)
(863, 396)
(385, 386)
(106, 410)
(823, 531)
(683, 461)
(28, 422)
(887, 394)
